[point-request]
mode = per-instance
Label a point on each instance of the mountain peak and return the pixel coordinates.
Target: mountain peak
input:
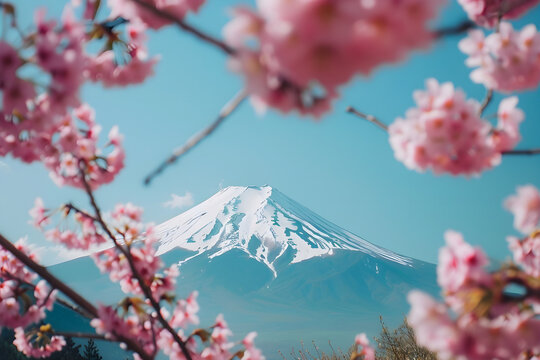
(264, 223)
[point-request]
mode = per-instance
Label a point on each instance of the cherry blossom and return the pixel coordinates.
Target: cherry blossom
(525, 206)
(293, 54)
(507, 60)
(526, 253)
(16, 285)
(460, 263)
(487, 12)
(445, 132)
(367, 352)
(37, 344)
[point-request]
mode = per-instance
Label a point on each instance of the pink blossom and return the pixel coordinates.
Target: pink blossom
(294, 54)
(525, 206)
(506, 135)
(507, 60)
(527, 253)
(487, 12)
(40, 347)
(432, 326)
(251, 352)
(446, 134)
(14, 276)
(185, 312)
(367, 351)
(460, 263)
(39, 214)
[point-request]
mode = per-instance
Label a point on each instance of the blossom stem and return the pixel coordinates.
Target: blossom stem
(227, 110)
(372, 119)
(186, 27)
(127, 253)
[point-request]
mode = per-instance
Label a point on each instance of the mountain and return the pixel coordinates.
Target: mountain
(271, 265)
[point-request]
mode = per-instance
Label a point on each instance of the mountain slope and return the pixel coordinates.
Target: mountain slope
(271, 265)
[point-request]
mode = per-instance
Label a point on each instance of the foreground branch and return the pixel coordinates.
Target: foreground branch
(186, 27)
(66, 290)
(460, 28)
(227, 110)
(135, 273)
(522, 152)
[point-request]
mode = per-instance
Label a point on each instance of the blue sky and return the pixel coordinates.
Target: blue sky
(340, 167)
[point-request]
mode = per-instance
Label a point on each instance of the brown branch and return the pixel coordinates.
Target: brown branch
(186, 27)
(372, 119)
(47, 276)
(458, 29)
(486, 101)
(522, 152)
(227, 110)
(81, 335)
(135, 273)
(66, 290)
(70, 207)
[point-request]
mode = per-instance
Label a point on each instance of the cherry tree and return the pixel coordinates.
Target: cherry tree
(294, 56)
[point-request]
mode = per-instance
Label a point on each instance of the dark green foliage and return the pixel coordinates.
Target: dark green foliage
(91, 351)
(71, 351)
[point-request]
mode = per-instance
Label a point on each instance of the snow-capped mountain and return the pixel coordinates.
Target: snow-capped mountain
(263, 223)
(271, 265)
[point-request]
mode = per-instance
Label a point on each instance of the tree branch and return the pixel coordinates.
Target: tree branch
(66, 290)
(372, 119)
(227, 110)
(457, 29)
(135, 273)
(487, 101)
(522, 152)
(186, 27)
(81, 335)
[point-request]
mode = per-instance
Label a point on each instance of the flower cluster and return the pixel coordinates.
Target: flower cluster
(506, 60)
(446, 133)
(38, 344)
(480, 318)
(367, 352)
(295, 55)
(37, 122)
(488, 12)
(21, 302)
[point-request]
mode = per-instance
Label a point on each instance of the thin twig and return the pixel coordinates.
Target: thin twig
(227, 110)
(460, 28)
(185, 26)
(372, 119)
(127, 253)
(487, 101)
(522, 152)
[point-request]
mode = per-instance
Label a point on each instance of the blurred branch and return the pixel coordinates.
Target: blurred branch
(522, 152)
(460, 28)
(487, 101)
(186, 27)
(372, 119)
(227, 110)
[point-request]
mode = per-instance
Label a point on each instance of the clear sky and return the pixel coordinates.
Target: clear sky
(340, 167)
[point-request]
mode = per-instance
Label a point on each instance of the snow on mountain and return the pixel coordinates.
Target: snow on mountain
(263, 223)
